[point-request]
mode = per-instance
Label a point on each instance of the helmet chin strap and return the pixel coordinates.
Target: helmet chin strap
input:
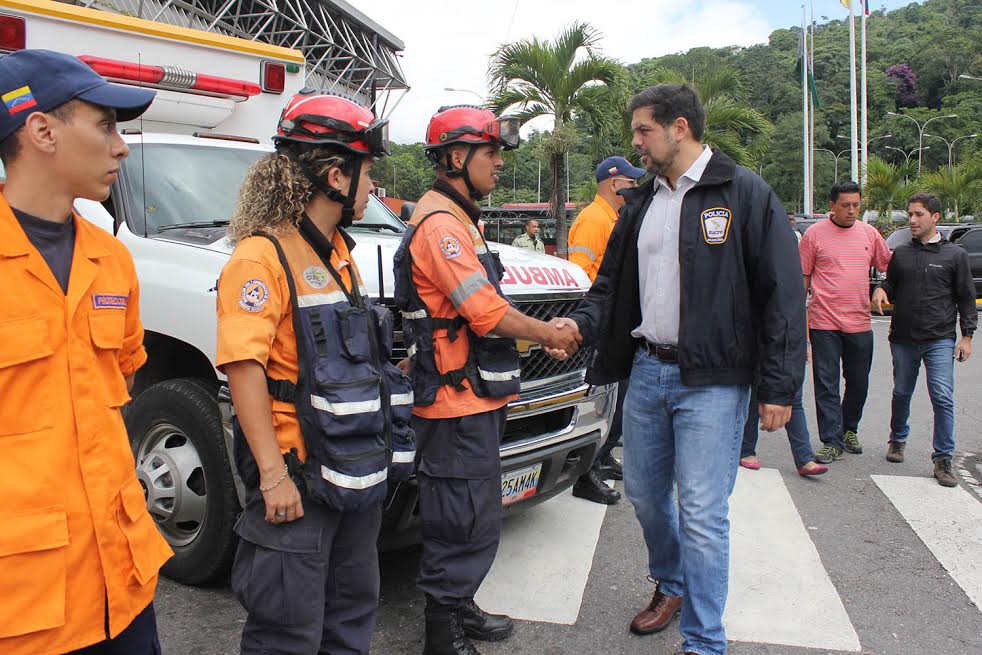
(347, 202)
(472, 191)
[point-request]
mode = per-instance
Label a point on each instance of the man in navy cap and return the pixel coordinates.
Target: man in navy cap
(587, 241)
(81, 554)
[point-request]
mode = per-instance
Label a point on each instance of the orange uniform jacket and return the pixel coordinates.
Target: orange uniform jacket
(255, 317)
(74, 528)
(589, 234)
(451, 281)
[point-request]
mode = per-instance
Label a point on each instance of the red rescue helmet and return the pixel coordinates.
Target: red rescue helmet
(313, 118)
(468, 124)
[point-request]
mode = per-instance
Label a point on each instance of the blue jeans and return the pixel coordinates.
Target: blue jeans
(855, 350)
(687, 437)
(938, 357)
(797, 429)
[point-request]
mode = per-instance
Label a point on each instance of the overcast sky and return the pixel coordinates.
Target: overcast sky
(448, 41)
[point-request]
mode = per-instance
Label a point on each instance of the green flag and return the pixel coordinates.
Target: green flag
(799, 62)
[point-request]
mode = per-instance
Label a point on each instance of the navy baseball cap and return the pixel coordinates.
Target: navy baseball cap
(41, 80)
(614, 166)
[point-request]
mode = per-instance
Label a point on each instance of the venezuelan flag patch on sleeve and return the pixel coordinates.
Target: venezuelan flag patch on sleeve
(19, 100)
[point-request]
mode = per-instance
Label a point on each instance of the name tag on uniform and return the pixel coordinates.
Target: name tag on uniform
(105, 301)
(716, 225)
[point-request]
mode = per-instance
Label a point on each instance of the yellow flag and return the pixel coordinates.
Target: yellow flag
(847, 4)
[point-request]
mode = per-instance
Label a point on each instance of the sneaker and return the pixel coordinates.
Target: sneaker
(851, 440)
(827, 454)
(942, 471)
(895, 451)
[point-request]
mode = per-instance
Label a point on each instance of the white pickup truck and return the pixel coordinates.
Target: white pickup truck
(170, 206)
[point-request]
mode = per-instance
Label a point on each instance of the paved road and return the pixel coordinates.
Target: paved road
(873, 558)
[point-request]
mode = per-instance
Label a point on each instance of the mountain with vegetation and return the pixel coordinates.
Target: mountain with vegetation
(918, 57)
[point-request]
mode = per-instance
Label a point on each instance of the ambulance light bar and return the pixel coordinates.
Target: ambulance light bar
(170, 77)
(13, 33)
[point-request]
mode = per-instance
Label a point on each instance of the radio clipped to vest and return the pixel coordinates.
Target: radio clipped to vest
(353, 404)
(492, 369)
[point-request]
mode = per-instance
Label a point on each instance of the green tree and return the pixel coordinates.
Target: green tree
(558, 78)
(887, 187)
(957, 187)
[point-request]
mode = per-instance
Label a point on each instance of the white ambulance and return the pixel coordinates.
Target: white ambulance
(218, 100)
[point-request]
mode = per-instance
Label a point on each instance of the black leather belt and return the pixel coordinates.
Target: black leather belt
(663, 351)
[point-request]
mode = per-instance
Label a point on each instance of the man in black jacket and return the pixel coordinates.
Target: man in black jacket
(699, 294)
(930, 284)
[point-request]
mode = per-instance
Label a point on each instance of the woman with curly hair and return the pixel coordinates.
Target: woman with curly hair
(322, 417)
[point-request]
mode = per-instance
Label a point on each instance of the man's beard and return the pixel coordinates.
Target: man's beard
(662, 166)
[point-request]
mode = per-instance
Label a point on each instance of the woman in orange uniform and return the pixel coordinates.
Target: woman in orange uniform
(322, 416)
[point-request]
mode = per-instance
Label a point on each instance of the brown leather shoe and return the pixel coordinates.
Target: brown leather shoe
(657, 615)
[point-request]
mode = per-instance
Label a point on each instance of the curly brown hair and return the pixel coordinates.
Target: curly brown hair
(275, 191)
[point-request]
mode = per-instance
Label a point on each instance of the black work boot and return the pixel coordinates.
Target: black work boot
(482, 626)
(609, 468)
(589, 486)
(444, 633)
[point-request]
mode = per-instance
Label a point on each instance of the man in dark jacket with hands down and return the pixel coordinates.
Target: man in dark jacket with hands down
(699, 295)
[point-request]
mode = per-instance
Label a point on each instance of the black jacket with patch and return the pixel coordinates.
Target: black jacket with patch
(930, 285)
(742, 313)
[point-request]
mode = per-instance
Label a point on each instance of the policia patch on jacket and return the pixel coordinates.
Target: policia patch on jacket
(716, 225)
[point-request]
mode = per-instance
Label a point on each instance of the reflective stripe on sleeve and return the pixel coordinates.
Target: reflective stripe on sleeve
(414, 316)
(411, 350)
(496, 376)
(404, 457)
(353, 482)
(480, 249)
(471, 285)
(348, 408)
(402, 398)
(586, 251)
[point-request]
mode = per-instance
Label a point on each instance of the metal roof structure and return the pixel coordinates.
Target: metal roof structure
(346, 51)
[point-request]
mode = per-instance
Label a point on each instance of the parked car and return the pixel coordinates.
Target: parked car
(971, 241)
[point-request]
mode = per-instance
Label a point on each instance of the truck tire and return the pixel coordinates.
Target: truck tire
(175, 430)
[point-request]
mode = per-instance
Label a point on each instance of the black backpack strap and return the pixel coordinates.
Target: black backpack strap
(297, 328)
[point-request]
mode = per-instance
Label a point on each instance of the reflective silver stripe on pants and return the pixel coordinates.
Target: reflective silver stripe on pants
(411, 350)
(471, 284)
(495, 376)
(418, 314)
(317, 299)
(586, 251)
(404, 457)
(402, 398)
(348, 408)
(353, 482)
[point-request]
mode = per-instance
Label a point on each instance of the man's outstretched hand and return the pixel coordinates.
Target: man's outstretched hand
(565, 339)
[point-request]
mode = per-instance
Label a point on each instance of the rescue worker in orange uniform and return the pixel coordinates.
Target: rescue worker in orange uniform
(459, 330)
(588, 238)
(322, 416)
(79, 553)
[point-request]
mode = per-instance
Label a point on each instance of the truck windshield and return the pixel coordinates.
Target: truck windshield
(192, 185)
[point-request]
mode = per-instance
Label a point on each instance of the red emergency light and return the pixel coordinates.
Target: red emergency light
(169, 77)
(272, 77)
(13, 33)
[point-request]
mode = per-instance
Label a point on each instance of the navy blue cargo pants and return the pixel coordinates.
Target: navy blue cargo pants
(459, 474)
(309, 586)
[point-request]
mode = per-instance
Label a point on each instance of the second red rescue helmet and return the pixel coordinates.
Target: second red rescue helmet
(312, 118)
(467, 124)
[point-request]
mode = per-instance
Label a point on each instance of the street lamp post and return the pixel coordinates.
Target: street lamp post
(835, 156)
(920, 132)
(951, 144)
(394, 194)
(474, 93)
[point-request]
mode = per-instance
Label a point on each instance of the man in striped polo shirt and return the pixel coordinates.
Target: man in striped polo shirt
(836, 255)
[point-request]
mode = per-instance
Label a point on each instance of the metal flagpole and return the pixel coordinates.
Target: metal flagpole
(811, 109)
(854, 132)
(806, 199)
(862, 87)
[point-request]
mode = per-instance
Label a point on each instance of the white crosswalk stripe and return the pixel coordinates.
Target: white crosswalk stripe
(948, 521)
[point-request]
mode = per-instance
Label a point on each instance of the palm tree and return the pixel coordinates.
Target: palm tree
(887, 186)
(733, 126)
(957, 187)
(563, 78)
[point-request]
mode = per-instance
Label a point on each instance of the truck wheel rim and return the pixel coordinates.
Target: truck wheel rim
(170, 471)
